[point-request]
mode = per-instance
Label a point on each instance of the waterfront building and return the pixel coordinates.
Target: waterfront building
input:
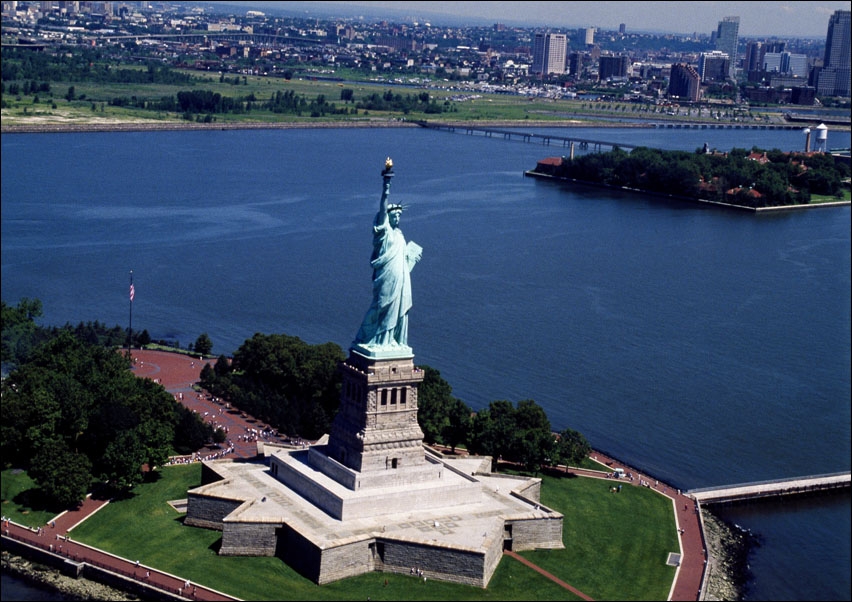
(684, 82)
(613, 67)
(835, 78)
(575, 64)
(713, 66)
(549, 53)
(727, 38)
(786, 62)
(753, 60)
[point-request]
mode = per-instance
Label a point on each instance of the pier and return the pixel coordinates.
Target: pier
(587, 144)
(545, 139)
(773, 488)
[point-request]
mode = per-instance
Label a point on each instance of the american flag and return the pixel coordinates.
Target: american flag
(132, 292)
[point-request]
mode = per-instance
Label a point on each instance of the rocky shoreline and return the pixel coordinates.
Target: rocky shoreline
(69, 587)
(728, 549)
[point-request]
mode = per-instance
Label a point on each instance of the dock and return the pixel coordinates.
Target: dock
(545, 139)
(773, 488)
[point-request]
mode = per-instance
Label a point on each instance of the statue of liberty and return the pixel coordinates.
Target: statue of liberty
(385, 327)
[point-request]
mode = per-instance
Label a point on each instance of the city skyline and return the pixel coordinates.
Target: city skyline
(790, 19)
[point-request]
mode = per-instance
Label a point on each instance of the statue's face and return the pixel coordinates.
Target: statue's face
(393, 218)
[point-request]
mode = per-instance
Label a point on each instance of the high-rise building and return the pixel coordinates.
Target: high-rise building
(835, 79)
(613, 67)
(754, 56)
(575, 64)
(549, 53)
(786, 62)
(727, 38)
(713, 66)
(684, 82)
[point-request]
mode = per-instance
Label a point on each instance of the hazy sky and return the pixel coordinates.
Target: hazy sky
(782, 19)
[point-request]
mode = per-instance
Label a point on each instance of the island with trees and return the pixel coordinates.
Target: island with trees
(752, 179)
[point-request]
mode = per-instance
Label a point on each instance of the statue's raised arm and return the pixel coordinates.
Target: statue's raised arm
(385, 327)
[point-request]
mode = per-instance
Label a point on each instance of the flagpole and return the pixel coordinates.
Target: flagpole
(130, 324)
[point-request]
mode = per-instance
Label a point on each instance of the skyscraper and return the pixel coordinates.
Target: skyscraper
(549, 53)
(727, 38)
(835, 79)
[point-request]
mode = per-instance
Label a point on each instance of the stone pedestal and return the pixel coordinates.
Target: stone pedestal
(375, 432)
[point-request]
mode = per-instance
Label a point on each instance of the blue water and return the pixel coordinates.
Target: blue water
(704, 346)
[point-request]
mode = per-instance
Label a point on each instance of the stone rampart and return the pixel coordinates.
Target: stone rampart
(437, 562)
(249, 539)
(347, 560)
(537, 533)
(208, 512)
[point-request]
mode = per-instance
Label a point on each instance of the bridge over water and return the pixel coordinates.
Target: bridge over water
(583, 143)
(545, 139)
(773, 488)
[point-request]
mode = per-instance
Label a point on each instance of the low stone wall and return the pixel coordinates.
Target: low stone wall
(299, 553)
(249, 539)
(208, 512)
(537, 533)
(438, 562)
(348, 560)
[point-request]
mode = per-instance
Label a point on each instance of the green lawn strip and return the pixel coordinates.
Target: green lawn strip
(616, 546)
(479, 106)
(22, 500)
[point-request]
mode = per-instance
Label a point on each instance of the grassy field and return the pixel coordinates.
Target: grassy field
(92, 103)
(607, 555)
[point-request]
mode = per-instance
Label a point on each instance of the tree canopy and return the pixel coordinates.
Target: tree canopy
(756, 178)
(72, 413)
(283, 381)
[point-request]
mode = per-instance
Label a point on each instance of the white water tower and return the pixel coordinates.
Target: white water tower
(822, 137)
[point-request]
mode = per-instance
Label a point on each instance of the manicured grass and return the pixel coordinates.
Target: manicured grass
(22, 500)
(607, 555)
(821, 198)
(616, 544)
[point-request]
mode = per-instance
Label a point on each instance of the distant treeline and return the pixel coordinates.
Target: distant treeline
(27, 72)
(755, 178)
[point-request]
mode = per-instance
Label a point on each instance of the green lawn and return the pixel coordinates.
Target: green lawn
(92, 100)
(615, 547)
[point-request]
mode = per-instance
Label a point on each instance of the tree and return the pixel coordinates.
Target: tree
(63, 476)
(532, 443)
(76, 409)
(143, 339)
(203, 344)
(493, 431)
(434, 398)
(283, 381)
(19, 329)
(458, 428)
(571, 448)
